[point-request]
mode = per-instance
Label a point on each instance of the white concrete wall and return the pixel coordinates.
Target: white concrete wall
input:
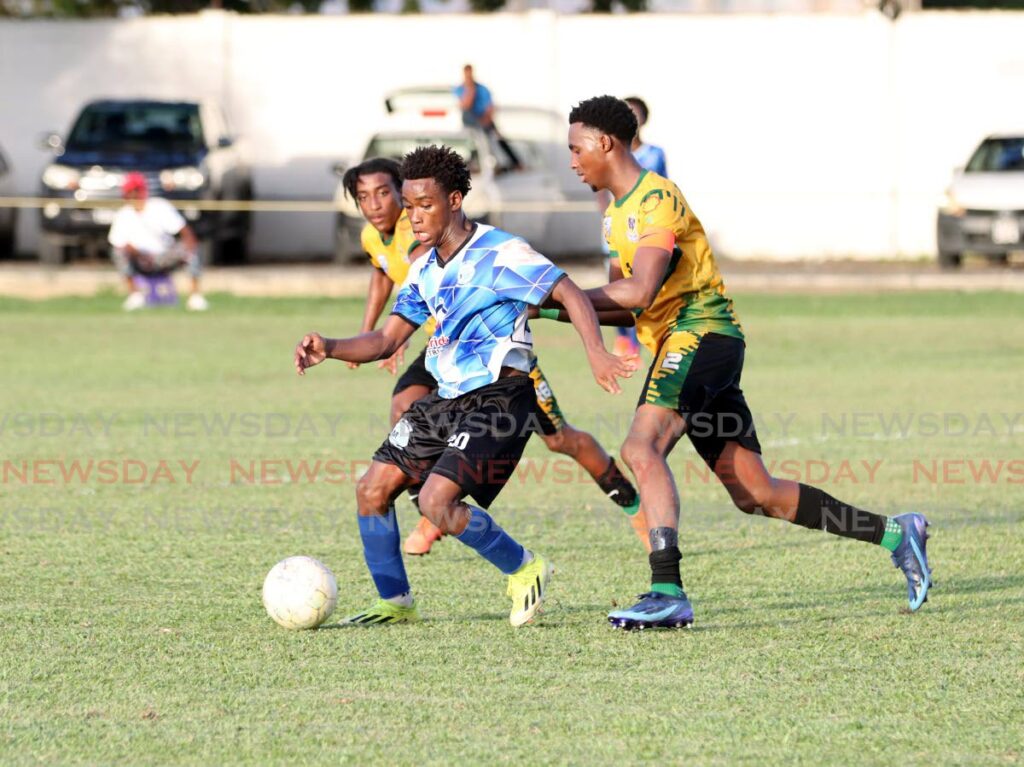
(792, 136)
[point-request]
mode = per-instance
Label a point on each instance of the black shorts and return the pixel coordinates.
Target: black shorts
(475, 440)
(698, 376)
(415, 375)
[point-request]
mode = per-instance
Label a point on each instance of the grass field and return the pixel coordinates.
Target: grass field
(132, 630)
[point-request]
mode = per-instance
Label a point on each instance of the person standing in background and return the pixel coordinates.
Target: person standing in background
(477, 106)
(649, 156)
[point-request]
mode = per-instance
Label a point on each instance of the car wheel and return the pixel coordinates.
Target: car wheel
(235, 251)
(950, 260)
(51, 252)
(7, 244)
(1002, 259)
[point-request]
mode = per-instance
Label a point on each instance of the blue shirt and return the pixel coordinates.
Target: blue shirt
(652, 157)
(481, 101)
(479, 299)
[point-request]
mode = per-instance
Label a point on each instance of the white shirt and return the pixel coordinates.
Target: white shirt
(150, 231)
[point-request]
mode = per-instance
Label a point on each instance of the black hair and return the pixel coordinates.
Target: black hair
(608, 114)
(441, 163)
(367, 168)
(640, 105)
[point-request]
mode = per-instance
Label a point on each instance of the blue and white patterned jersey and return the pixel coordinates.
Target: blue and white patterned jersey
(652, 157)
(479, 299)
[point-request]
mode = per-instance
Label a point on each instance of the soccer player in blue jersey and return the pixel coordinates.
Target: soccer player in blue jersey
(466, 438)
(388, 240)
(648, 156)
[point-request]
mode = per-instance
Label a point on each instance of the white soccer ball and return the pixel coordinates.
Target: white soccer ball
(300, 593)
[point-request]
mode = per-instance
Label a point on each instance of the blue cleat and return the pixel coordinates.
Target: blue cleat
(654, 611)
(911, 557)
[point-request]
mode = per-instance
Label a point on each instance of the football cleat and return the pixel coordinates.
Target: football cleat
(911, 556)
(528, 586)
(383, 612)
(422, 538)
(654, 611)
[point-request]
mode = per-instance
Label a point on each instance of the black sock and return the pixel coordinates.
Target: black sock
(665, 577)
(616, 486)
(818, 510)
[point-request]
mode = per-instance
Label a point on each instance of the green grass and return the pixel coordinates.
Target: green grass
(132, 630)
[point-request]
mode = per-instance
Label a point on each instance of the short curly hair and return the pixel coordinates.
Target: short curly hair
(608, 114)
(639, 105)
(368, 168)
(441, 163)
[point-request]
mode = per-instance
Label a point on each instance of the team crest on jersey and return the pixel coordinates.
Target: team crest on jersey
(607, 227)
(651, 202)
(631, 232)
(466, 272)
(382, 261)
(399, 436)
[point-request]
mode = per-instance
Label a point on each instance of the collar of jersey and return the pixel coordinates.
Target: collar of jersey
(444, 262)
(627, 195)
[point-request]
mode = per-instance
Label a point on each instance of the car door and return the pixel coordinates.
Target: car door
(525, 196)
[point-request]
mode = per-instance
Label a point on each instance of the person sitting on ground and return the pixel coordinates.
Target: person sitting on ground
(149, 237)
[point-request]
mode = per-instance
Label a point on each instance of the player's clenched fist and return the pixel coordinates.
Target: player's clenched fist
(312, 350)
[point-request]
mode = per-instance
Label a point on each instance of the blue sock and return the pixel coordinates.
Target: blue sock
(491, 542)
(381, 549)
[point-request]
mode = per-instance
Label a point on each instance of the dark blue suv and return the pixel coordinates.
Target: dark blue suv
(184, 149)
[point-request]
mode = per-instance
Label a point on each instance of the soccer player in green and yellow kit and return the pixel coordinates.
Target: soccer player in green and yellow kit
(391, 246)
(686, 319)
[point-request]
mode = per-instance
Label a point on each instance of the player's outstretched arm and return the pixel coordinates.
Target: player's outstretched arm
(616, 318)
(607, 368)
(637, 291)
(366, 347)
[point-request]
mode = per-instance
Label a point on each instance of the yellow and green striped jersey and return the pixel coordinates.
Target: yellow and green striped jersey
(692, 297)
(391, 255)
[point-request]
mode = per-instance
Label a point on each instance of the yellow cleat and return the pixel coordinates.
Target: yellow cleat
(383, 612)
(528, 586)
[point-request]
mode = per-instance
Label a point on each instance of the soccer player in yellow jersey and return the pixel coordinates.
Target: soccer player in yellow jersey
(685, 318)
(391, 246)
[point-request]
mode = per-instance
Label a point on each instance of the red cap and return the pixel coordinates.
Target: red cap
(134, 182)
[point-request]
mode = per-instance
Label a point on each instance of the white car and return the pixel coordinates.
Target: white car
(543, 201)
(983, 212)
(8, 215)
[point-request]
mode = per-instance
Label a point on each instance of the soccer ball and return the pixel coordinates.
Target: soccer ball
(300, 593)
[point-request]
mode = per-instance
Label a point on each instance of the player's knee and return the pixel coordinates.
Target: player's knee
(371, 495)
(437, 507)
(639, 456)
(754, 498)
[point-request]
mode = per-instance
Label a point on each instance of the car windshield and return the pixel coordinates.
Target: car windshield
(130, 125)
(998, 155)
(396, 147)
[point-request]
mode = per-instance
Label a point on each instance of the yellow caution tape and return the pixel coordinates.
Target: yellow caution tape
(302, 206)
